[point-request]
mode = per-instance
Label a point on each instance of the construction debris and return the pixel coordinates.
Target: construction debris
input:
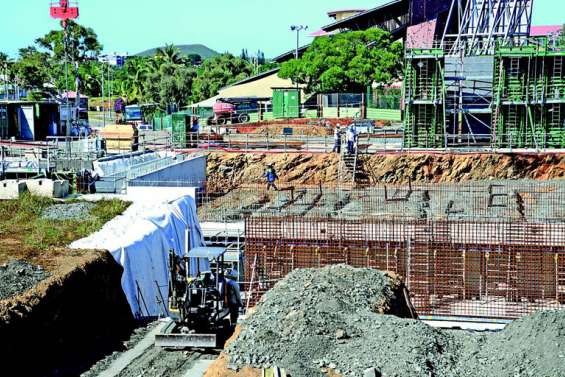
(331, 320)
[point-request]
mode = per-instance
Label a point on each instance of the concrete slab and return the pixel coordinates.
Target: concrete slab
(129, 356)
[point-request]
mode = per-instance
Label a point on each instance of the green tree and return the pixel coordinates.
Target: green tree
(170, 54)
(82, 44)
(346, 62)
(170, 83)
(32, 69)
(218, 72)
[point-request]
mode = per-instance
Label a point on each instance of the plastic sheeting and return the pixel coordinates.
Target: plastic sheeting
(140, 241)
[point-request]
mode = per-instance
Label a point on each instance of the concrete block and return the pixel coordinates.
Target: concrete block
(48, 187)
(11, 189)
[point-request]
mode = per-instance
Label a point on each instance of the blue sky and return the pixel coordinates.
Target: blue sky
(224, 25)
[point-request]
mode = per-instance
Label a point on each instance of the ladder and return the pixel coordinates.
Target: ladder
(348, 166)
(514, 85)
(424, 79)
(557, 77)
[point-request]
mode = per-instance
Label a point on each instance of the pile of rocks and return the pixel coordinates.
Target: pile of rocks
(18, 276)
(68, 211)
(319, 319)
(342, 319)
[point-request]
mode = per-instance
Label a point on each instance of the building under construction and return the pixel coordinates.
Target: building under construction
(483, 78)
(482, 250)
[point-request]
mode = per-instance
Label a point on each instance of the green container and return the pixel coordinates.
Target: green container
(179, 121)
(286, 103)
(167, 122)
(157, 123)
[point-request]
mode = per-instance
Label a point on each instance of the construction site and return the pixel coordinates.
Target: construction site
(265, 246)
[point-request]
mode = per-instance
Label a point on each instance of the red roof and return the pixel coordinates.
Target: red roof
(319, 33)
(545, 30)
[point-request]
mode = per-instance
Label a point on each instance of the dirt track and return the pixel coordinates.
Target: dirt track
(229, 170)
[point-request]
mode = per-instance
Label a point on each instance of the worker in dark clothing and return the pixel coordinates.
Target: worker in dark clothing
(119, 108)
(233, 296)
(135, 139)
(271, 176)
(337, 140)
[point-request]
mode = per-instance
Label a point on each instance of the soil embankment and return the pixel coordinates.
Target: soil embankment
(67, 321)
(230, 170)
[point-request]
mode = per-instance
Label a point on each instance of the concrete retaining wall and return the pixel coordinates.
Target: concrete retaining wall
(190, 172)
(48, 187)
(11, 189)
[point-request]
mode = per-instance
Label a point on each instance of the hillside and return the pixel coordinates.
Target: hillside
(198, 49)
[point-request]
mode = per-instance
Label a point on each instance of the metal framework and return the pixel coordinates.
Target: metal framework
(424, 93)
(529, 107)
(479, 24)
(452, 268)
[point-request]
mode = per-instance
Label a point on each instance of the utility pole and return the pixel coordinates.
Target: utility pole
(298, 29)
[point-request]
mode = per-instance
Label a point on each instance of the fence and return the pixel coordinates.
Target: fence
(451, 268)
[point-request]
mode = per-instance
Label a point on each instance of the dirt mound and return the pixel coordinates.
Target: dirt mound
(66, 322)
(315, 322)
(320, 319)
(17, 277)
(230, 170)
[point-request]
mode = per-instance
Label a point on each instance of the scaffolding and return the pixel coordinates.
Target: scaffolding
(529, 96)
(424, 93)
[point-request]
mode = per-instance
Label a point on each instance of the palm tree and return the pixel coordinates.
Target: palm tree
(171, 54)
(4, 71)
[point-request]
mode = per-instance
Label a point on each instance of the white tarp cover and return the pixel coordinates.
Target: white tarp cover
(140, 240)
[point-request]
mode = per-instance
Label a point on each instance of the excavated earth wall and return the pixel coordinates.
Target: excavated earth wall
(67, 321)
(230, 170)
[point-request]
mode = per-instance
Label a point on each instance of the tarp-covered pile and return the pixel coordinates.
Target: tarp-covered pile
(140, 241)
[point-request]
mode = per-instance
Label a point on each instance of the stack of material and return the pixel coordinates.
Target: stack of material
(330, 322)
(119, 137)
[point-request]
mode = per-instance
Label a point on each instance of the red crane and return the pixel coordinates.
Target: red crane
(64, 10)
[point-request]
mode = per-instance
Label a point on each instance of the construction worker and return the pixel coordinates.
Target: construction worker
(351, 137)
(119, 108)
(233, 296)
(337, 139)
(271, 176)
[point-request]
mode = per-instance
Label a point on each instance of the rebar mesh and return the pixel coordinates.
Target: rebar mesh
(451, 267)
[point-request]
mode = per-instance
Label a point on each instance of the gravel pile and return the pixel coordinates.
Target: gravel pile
(17, 277)
(531, 346)
(70, 211)
(315, 320)
(321, 319)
